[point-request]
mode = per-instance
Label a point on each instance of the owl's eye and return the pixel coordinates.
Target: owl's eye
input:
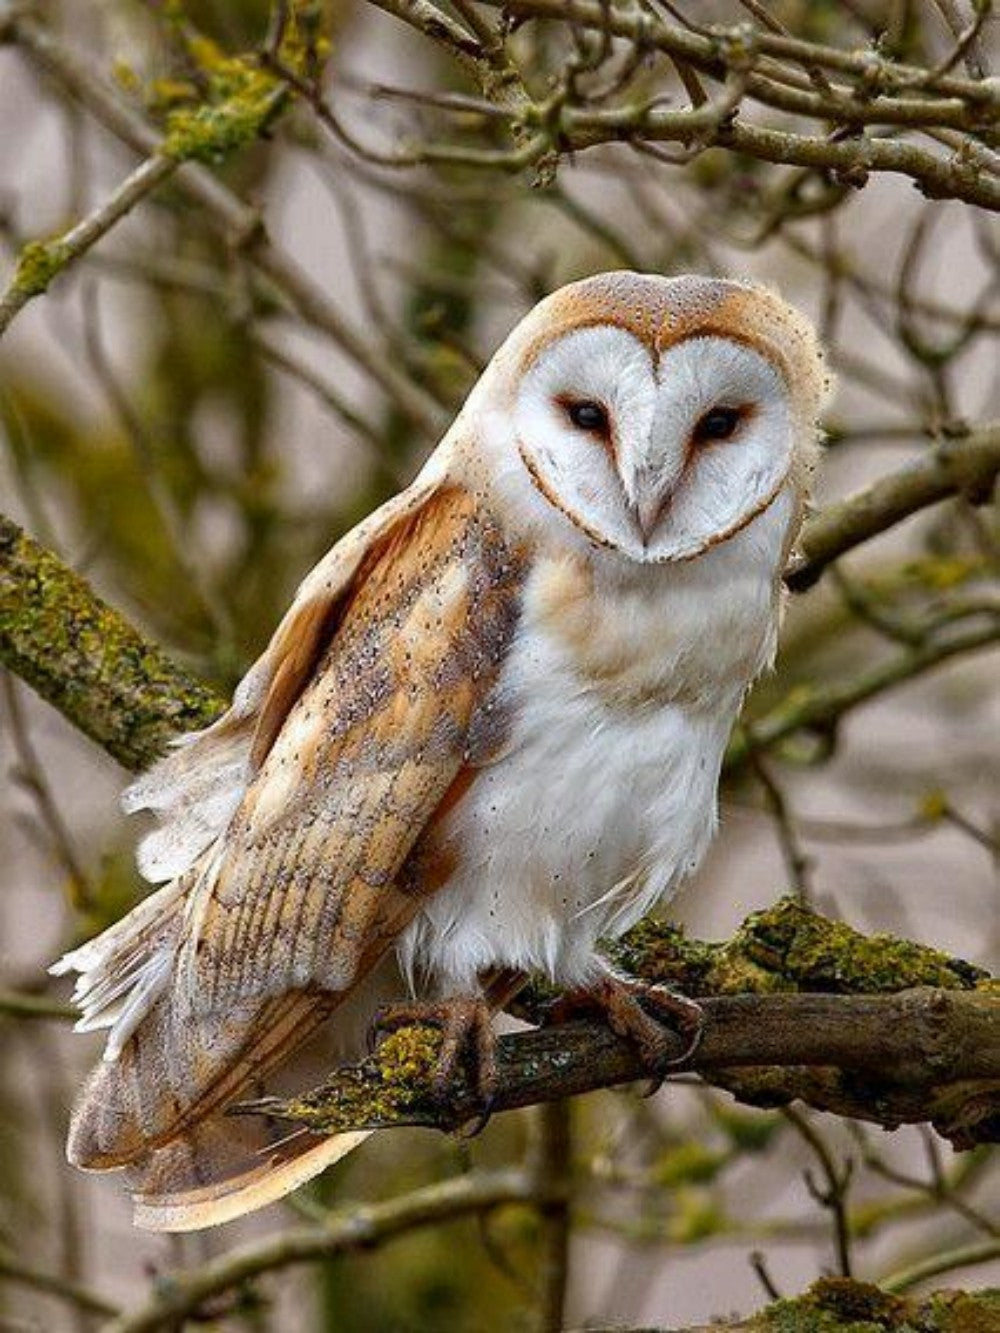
(588, 415)
(718, 424)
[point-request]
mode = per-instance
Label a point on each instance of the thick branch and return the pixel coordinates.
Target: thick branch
(842, 1305)
(85, 658)
(923, 1056)
(918, 1040)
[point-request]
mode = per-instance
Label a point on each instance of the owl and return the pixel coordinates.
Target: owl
(487, 733)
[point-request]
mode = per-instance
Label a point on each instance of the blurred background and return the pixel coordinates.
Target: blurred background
(180, 425)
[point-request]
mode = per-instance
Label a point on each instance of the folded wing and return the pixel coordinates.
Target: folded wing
(348, 737)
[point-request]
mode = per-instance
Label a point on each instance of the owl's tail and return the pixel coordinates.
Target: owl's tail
(217, 1172)
(189, 1164)
(156, 1104)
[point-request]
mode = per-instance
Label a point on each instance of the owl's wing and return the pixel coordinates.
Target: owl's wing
(316, 876)
(364, 733)
(195, 790)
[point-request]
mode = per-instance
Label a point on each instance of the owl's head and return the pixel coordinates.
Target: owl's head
(659, 416)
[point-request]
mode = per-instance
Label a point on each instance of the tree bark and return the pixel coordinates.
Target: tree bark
(796, 1008)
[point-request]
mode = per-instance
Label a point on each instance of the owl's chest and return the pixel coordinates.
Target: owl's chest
(602, 797)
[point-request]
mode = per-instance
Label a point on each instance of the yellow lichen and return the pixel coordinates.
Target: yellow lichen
(38, 263)
(240, 103)
(231, 99)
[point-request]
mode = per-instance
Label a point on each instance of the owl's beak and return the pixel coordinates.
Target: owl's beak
(650, 495)
(648, 512)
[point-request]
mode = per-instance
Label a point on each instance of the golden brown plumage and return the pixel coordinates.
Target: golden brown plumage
(363, 732)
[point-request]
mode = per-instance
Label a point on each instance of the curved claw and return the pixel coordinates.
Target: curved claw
(684, 1015)
(638, 1011)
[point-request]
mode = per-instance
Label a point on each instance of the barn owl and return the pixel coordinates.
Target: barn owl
(487, 733)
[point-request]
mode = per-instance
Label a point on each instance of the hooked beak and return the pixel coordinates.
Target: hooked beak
(650, 492)
(648, 512)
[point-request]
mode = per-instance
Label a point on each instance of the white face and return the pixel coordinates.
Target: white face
(660, 460)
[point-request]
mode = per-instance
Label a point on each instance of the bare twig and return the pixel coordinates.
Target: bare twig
(42, 261)
(943, 1261)
(348, 1229)
(833, 1194)
(73, 1293)
(238, 221)
(20, 1004)
(820, 709)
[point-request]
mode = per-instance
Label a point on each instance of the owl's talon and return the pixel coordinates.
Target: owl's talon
(638, 1012)
(466, 1026)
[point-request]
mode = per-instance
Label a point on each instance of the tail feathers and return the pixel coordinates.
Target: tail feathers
(127, 968)
(179, 1069)
(225, 1168)
(159, 1111)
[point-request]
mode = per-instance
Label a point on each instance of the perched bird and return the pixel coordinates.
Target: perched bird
(487, 733)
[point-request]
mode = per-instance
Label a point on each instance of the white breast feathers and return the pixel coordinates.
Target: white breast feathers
(622, 688)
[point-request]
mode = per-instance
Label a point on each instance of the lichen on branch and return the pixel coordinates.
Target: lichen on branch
(241, 102)
(843, 1305)
(797, 1007)
(85, 659)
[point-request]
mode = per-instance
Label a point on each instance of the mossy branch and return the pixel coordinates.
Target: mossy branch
(842, 1305)
(85, 658)
(797, 1008)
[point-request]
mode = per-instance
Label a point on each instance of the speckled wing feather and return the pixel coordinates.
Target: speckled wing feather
(323, 862)
(315, 880)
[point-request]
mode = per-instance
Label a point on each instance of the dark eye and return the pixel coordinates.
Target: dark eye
(588, 416)
(718, 424)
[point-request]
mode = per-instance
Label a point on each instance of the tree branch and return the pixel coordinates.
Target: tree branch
(13, 1271)
(42, 261)
(796, 1008)
(22, 1004)
(819, 709)
(240, 223)
(354, 1228)
(842, 1305)
(85, 658)
(967, 465)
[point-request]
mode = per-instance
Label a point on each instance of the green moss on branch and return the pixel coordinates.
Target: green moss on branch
(796, 1008)
(38, 263)
(87, 660)
(843, 1305)
(787, 948)
(242, 102)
